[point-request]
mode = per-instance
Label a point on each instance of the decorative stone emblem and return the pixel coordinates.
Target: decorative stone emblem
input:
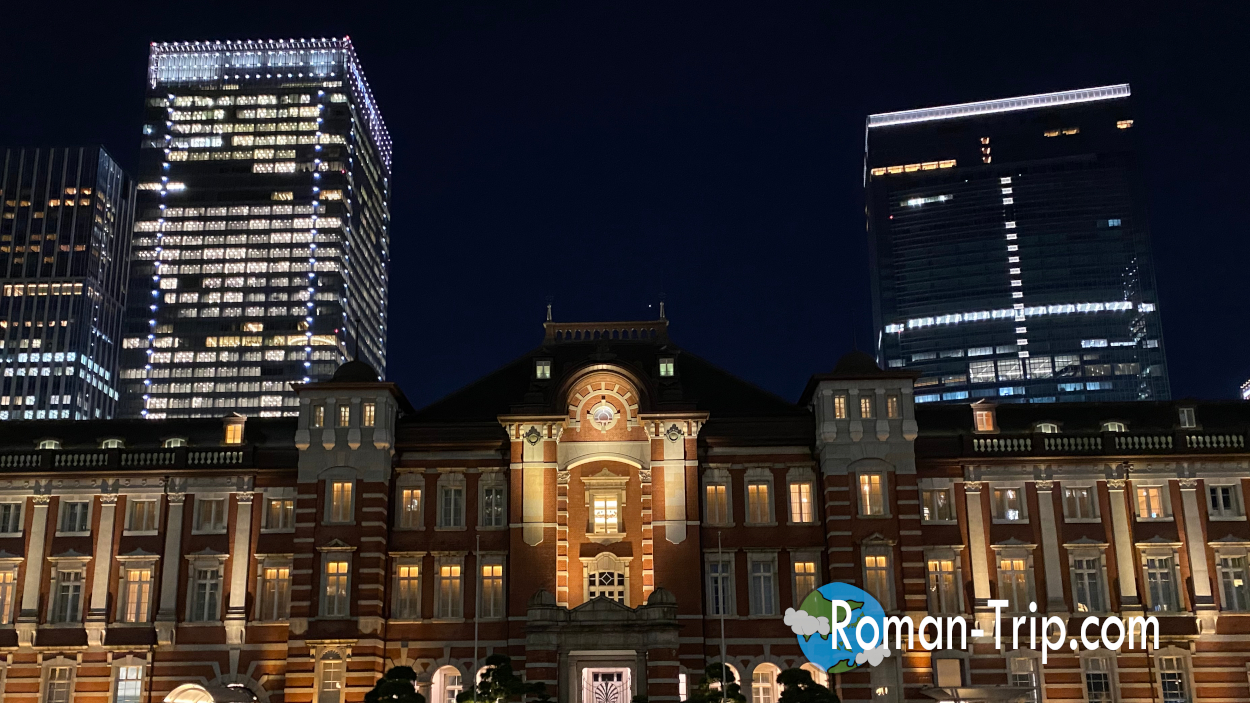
(674, 433)
(603, 415)
(533, 435)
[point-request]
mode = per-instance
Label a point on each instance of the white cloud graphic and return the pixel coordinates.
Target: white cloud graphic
(805, 624)
(873, 656)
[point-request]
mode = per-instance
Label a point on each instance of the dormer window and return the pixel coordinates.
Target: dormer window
(111, 444)
(175, 442)
(666, 366)
(1114, 427)
(234, 429)
(50, 444)
(542, 369)
(1047, 428)
(983, 419)
(1189, 418)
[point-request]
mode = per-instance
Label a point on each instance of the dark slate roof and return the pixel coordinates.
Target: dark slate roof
(355, 371)
(1138, 416)
(697, 385)
(264, 432)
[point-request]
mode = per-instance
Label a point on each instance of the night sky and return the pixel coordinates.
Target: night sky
(605, 153)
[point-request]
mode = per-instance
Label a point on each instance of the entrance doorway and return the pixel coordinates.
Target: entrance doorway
(606, 685)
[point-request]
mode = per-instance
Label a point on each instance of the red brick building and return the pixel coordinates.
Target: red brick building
(599, 510)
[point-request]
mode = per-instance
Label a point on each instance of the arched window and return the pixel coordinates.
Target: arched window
(173, 442)
(49, 444)
(818, 675)
(111, 444)
(764, 684)
(447, 684)
(606, 578)
(330, 685)
(1114, 427)
(1047, 428)
(189, 693)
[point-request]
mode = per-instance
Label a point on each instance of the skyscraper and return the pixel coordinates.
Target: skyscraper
(65, 221)
(261, 250)
(1010, 250)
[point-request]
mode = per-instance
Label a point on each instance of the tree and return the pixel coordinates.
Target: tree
(708, 690)
(799, 687)
(396, 686)
(500, 683)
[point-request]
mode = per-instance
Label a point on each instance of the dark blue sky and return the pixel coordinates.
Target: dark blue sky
(605, 153)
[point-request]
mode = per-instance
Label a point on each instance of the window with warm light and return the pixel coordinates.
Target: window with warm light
(801, 501)
(274, 602)
(839, 407)
(407, 604)
(369, 413)
(605, 514)
(984, 420)
(1008, 504)
(1014, 583)
(804, 579)
(335, 604)
(893, 409)
(410, 508)
(341, 508)
(877, 578)
(318, 416)
(716, 504)
(136, 593)
(345, 415)
(492, 602)
(759, 507)
(871, 494)
(234, 433)
(1151, 503)
(865, 407)
(937, 505)
(279, 514)
(448, 603)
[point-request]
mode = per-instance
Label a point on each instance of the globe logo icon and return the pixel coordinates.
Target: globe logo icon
(815, 620)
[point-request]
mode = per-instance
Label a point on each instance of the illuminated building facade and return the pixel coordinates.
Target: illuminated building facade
(1011, 252)
(599, 509)
(65, 221)
(261, 247)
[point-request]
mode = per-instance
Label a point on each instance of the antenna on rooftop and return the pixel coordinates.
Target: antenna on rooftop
(662, 305)
(549, 308)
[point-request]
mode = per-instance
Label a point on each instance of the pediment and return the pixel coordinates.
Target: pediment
(602, 605)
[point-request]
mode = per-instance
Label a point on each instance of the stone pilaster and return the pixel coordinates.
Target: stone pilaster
(167, 612)
(977, 547)
(97, 611)
(1125, 559)
(1050, 547)
(28, 618)
(1196, 544)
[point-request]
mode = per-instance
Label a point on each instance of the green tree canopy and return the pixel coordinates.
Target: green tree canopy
(708, 690)
(500, 683)
(799, 687)
(397, 685)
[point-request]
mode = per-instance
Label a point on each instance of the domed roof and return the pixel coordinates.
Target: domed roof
(355, 371)
(856, 363)
(661, 596)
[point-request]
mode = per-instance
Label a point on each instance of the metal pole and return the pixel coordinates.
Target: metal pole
(724, 604)
(477, 612)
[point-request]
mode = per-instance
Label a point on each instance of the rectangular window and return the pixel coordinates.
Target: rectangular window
(1024, 675)
(801, 502)
(1008, 504)
(492, 591)
(407, 592)
(605, 514)
(1013, 583)
(369, 414)
(542, 369)
(10, 518)
(877, 578)
(279, 514)
(129, 684)
(59, 685)
(341, 501)
(981, 371)
(74, 516)
(143, 515)
(937, 505)
(234, 433)
(1098, 680)
(332, 674)
(1233, 585)
(804, 580)
(1225, 501)
(136, 594)
(8, 593)
(210, 515)
(1150, 503)
(67, 597)
(892, 408)
(763, 587)
(1162, 584)
(758, 506)
(839, 407)
(345, 415)
(666, 366)
(451, 507)
(410, 508)
(319, 416)
(449, 603)
(1087, 589)
(984, 420)
(1078, 503)
(275, 593)
(943, 596)
(1189, 419)
(865, 407)
(205, 593)
(336, 593)
(493, 506)
(871, 495)
(720, 587)
(1173, 681)
(717, 504)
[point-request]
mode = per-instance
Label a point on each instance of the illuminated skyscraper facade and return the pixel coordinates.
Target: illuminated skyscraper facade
(1011, 251)
(261, 249)
(65, 221)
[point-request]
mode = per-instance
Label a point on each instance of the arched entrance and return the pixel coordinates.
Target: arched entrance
(195, 693)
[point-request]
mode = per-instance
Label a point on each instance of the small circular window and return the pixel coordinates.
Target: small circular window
(603, 415)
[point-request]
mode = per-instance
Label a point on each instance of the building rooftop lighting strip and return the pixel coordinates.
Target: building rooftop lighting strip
(988, 107)
(198, 62)
(1013, 313)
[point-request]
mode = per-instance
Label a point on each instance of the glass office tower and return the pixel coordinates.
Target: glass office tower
(65, 221)
(1010, 250)
(261, 247)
